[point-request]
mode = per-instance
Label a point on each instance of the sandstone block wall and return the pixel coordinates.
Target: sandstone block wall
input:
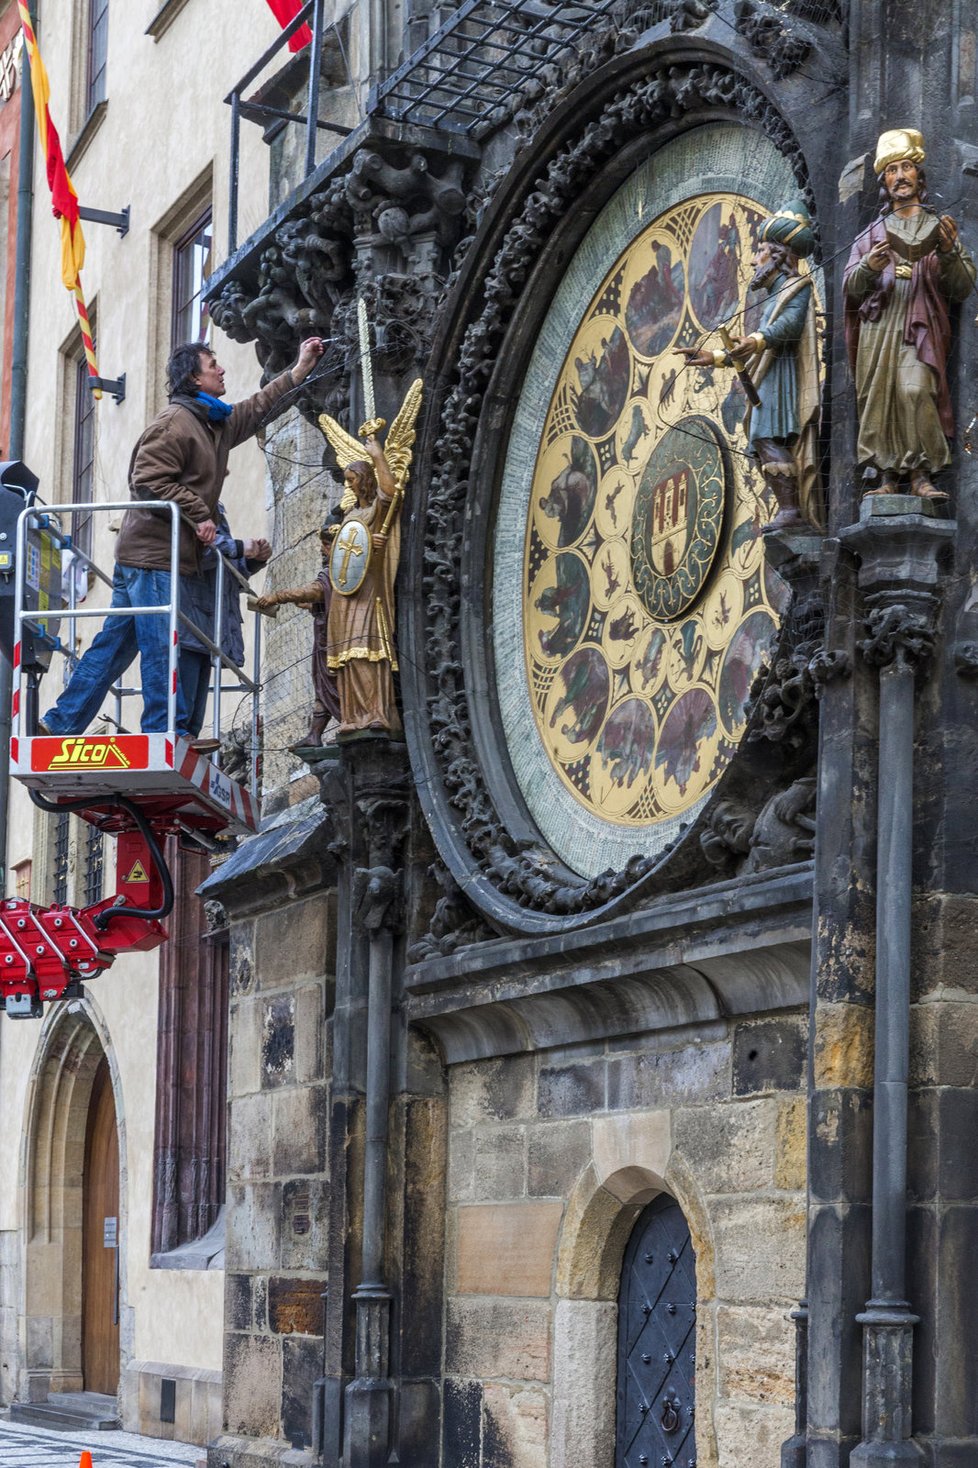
(277, 1167)
(551, 1159)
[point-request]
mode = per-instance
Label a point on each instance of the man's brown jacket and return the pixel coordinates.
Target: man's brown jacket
(182, 456)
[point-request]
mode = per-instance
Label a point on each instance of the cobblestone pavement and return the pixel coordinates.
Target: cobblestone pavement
(22, 1446)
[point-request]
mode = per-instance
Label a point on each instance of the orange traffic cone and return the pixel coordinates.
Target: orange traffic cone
(85, 1461)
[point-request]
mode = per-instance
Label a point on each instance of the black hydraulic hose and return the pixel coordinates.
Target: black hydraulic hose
(119, 802)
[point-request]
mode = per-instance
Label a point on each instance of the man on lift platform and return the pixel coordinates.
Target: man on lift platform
(182, 455)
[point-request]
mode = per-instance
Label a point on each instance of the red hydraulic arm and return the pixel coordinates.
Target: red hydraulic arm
(45, 952)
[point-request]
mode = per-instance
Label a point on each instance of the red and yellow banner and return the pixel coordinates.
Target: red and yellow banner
(64, 199)
(286, 10)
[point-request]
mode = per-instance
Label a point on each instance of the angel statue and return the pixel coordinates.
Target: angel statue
(357, 597)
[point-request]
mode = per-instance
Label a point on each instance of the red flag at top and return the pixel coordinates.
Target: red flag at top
(286, 10)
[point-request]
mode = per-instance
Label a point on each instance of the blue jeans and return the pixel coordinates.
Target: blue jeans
(114, 649)
(195, 684)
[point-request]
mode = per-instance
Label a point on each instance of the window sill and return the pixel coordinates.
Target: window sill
(90, 127)
(164, 18)
(203, 1253)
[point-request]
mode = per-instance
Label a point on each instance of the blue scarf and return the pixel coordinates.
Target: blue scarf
(217, 411)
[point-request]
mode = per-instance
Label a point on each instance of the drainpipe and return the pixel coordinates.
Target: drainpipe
(899, 549)
(369, 1396)
(370, 1413)
(18, 394)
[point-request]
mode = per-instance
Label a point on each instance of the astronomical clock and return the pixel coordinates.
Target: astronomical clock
(632, 606)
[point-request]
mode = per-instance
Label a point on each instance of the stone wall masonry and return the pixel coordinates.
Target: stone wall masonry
(942, 1235)
(300, 501)
(278, 1183)
(551, 1158)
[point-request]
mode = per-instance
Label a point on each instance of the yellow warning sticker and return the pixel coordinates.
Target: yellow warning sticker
(138, 873)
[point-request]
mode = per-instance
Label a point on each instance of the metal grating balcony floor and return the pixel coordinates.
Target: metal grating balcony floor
(482, 56)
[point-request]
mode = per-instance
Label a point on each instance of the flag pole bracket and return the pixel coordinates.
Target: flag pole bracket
(104, 216)
(114, 386)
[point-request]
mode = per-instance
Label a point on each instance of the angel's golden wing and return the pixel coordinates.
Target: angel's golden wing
(400, 436)
(347, 449)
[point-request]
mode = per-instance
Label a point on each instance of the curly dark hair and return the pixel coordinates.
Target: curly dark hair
(183, 366)
(886, 204)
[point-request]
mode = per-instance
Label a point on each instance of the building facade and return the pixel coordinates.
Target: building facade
(561, 1128)
(565, 1078)
(112, 1190)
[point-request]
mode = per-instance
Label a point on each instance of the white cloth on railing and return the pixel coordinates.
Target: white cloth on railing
(73, 569)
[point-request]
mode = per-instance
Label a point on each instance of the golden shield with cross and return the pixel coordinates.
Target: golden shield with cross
(350, 559)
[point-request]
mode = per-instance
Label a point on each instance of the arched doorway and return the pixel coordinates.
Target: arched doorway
(657, 1342)
(73, 1135)
(100, 1240)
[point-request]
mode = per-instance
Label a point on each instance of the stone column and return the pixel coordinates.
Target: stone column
(365, 788)
(370, 1396)
(899, 572)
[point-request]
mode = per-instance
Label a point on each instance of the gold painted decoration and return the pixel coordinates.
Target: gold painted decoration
(647, 609)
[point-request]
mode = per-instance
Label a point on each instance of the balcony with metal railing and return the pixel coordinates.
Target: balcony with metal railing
(372, 168)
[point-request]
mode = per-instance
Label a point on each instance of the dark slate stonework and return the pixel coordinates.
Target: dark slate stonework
(278, 1042)
(572, 1089)
(237, 1302)
(769, 1056)
(462, 1423)
(301, 1364)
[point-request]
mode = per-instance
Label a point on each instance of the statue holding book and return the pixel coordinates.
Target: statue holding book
(903, 272)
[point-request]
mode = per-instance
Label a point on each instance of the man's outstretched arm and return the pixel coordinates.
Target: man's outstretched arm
(249, 415)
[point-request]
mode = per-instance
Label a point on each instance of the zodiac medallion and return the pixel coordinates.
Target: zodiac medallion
(644, 609)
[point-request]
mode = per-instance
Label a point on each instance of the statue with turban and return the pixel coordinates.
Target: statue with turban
(781, 360)
(902, 273)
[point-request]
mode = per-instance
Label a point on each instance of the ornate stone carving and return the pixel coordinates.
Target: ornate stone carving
(825, 667)
(453, 924)
(236, 752)
(215, 916)
(401, 203)
(784, 832)
(782, 707)
(688, 15)
(384, 229)
(375, 894)
(527, 874)
(737, 836)
(773, 37)
(966, 659)
(727, 830)
(899, 632)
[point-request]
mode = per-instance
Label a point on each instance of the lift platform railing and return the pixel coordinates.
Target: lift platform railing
(36, 621)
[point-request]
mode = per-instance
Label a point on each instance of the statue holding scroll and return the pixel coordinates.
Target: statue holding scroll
(359, 640)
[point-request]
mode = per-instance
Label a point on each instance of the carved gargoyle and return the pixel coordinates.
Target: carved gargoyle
(454, 924)
(772, 37)
(740, 837)
(784, 832)
(688, 15)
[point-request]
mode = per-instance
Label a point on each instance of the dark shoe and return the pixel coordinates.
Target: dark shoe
(205, 746)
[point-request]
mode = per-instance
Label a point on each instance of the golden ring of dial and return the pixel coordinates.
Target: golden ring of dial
(643, 607)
